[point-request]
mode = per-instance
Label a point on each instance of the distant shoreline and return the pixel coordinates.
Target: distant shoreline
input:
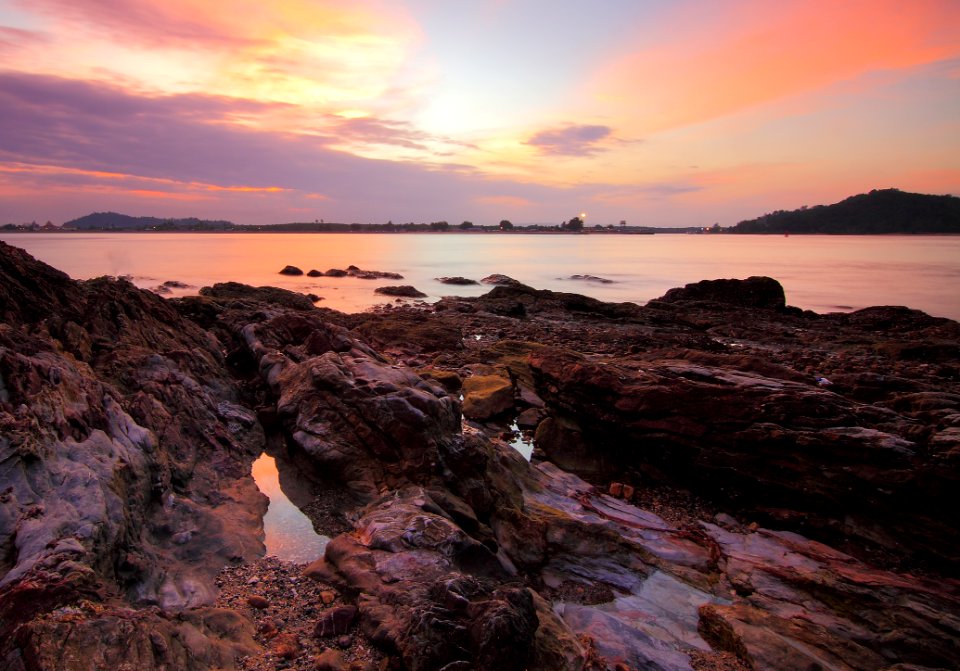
(517, 231)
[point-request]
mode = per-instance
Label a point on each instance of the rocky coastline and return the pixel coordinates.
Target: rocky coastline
(718, 481)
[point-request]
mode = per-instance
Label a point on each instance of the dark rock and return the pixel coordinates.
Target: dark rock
(258, 602)
(335, 272)
(291, 270)
(753, 292)
(456, 280)
(500, 280)
(110, 408)
(405, 290)
(234, 291)
(485, 396)
(591, 278)
(286, 646)
(314, 273)
(331, 660)
(335, 621)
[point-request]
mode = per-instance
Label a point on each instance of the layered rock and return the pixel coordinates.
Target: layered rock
(130, 422)
(124, 480)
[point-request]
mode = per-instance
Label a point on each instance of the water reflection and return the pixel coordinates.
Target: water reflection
(289, 534)
(522, 444)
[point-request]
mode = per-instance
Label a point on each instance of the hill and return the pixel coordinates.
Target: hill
(880, 211)
(101, 221)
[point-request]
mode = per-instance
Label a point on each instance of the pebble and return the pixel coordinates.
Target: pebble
(258, 602)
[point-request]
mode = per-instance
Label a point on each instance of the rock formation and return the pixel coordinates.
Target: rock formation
(129, 423)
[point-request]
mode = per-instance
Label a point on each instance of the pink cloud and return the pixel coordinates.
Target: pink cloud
(571, 140)
(755, 51)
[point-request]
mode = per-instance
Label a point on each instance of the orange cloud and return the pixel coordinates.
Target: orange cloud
(760, 51)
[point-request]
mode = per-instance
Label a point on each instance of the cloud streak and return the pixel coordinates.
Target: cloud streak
(571, 140)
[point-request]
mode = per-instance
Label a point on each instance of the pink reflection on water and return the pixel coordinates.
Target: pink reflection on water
(289, 534)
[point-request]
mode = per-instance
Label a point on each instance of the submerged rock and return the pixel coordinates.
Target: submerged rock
(463, 281)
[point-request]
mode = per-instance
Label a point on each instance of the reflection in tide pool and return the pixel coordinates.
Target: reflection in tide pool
(521, 443)
(289, 535)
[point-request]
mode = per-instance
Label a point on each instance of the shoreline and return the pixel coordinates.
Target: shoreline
(711, 473)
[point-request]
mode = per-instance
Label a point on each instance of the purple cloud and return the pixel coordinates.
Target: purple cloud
(571, 140)
(140, 22)
(58, 134)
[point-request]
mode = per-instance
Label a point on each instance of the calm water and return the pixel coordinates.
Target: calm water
(289, 534)
(821, 273)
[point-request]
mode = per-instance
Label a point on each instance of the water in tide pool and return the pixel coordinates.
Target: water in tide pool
(818, 272)
(289, 535)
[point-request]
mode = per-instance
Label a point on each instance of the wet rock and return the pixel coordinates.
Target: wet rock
(353, 271)
(753, 292)
(500, 280)
(450, 380)
(291, 270)
(335, 272)
(485, 396)
(285, 646)
(591, 278)
(258, 602)
(405, 291)
(331, 660)
(314, 273)
(335, 621)
(462, 281)
(235, 291)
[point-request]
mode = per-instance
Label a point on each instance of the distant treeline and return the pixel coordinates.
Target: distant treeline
(113, 221)
(880, 211)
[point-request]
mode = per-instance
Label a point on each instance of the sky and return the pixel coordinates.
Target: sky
(657, 113)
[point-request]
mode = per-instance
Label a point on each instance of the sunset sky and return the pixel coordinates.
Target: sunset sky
(659, 113)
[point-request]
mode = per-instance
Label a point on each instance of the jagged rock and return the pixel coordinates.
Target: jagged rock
(366, 422)
(485, 396)
(235, 291)
(130, 444)
(124, 454)
(727, 432)
(336, 621)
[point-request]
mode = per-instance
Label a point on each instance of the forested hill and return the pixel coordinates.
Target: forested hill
(883, 211)
(100, 221)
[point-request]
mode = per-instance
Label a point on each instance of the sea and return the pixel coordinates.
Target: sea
(818, 272)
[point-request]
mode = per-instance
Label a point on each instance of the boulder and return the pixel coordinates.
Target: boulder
(405, 291)
(500, 280)
(485, 396)
(291, 270)
(753, 292)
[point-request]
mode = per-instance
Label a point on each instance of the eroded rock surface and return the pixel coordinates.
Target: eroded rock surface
(129, 423)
